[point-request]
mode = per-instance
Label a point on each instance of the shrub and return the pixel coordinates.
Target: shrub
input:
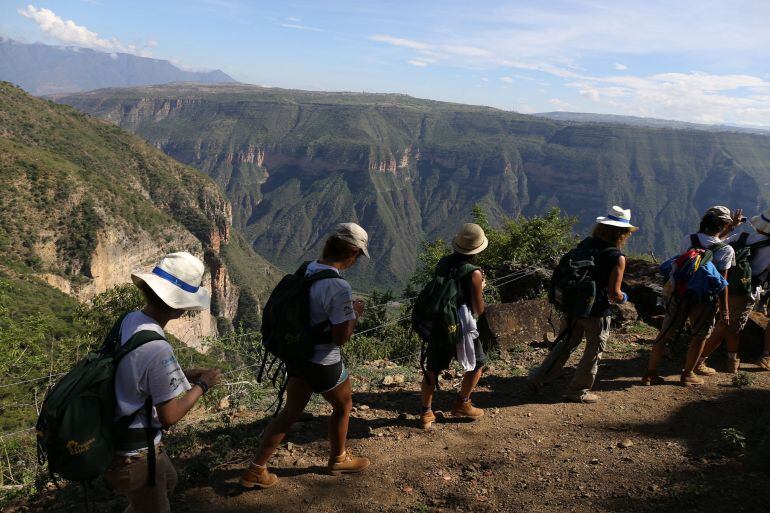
(742, 379)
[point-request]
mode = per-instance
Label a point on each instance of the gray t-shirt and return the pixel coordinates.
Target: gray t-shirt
(760, 261)
(151, 369)
(330, 300)
(722, 259)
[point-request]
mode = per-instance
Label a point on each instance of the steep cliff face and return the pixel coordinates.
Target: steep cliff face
(85, 204)
(293, 163)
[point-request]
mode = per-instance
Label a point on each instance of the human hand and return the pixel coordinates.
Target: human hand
(210, 376)
(737, 216)
(358, 307)
(193, 374)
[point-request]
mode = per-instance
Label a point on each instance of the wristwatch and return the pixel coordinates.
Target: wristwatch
(204, 386)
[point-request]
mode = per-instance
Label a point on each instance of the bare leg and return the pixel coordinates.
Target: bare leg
(469, 382)
(694, 351)
(341, 399)
(656, 355)
(733, 341)
(428, 388)
(298, 394)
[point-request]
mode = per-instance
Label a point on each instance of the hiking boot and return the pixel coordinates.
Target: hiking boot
(652, 378)
(427, 418)
(689, 379)
(585, 397)
(256, 476)
(346, 464)
(764, 362)
(704, 370)
(466, 409)
(733, 364)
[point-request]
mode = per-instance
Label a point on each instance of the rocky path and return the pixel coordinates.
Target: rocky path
(640, 449)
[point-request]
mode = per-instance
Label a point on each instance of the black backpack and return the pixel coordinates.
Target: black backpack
(573, 286)
(739, 278)
(286, 330)
(76, 431)
(434, 316)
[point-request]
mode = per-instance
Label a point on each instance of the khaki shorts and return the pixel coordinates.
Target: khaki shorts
(679, 311)
(128, 475)
(741, 306)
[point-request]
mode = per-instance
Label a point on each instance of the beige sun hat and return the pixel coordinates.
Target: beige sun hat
(618, 216)
(177, 281)
(721, 213)
(761, 222)
(470, 240)
(352, 234)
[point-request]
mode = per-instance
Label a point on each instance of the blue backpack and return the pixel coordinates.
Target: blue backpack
(693, 274)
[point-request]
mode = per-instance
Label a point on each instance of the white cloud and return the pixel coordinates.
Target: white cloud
(419, 64)
(293, 19)
(619, 66)
(559, 104)
(591, 93)
(297, 26)
(70, 33)
(507, 80)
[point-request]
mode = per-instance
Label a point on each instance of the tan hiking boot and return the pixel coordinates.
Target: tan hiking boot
(585, 397)
(764, 362)
(704, 370)
(689, 379)
(256, 476)
(651, 378)
(466, 409)
(427, 418)
(346, 464)
(733, 364)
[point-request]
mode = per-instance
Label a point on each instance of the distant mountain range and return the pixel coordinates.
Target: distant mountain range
(43, 69)
(586, 117)
(293, 163)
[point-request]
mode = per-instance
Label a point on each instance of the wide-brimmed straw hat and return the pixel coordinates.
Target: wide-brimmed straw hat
(352, 234)
(761, 222)
(470, 240)
(618, 217)
(177, 281)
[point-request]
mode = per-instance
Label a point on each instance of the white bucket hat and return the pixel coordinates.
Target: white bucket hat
(761, 222)
(352, 234)
(470, 240)
(177, 281)
(618, 217)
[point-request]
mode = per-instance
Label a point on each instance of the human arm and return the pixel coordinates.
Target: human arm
(173, 410)
(477, 293)
(616, 280)
(724, 307)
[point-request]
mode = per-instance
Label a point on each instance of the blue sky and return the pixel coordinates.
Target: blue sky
(700, 61)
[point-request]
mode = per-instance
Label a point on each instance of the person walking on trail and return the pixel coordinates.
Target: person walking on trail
(752, 251)
(150, 378)
(465, 304)
(717, 222)
(604, 249)
(331, 304)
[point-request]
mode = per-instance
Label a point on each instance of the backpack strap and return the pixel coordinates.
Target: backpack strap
(323, 329)
(695, 241)
(717, 246)
(760, 244)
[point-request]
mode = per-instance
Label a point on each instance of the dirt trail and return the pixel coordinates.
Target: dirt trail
(639, 449)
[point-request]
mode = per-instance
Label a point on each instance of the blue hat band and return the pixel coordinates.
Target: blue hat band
(176, 281)
(764, 218)
(619, 219)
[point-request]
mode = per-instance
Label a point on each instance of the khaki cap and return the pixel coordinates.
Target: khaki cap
(470, 240)
(352, 234)
(721, 213)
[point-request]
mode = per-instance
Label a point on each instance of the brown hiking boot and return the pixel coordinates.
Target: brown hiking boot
(585, 397)
(256, 476)
(466, 409)
(427, 418)
(652, 378)
(346, 464)
(733, 364)
(689, 379)
(704, 370)
(764, 362)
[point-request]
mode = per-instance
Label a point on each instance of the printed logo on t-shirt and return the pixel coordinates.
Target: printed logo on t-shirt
(174, 382)
(347, 309)
(168, 361)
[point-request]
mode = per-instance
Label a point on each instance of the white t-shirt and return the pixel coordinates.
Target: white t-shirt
(151, 369)
(760, 261)
(722, 259)
(330, 300)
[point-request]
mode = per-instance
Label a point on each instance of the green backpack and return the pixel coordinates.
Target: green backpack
(76, 429)
(739, 278)
(286, 330)
(434, 316)
(573, 287)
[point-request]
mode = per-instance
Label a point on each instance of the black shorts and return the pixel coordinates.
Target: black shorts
(320, 378)
(438, 361)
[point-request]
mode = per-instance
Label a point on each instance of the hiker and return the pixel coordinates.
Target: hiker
(331, 306)
(752, 252)
(466, 305)
(604, 249)
(716, 223)
(150, 379)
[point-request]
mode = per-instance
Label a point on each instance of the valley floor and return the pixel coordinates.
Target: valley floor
(641, 449)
